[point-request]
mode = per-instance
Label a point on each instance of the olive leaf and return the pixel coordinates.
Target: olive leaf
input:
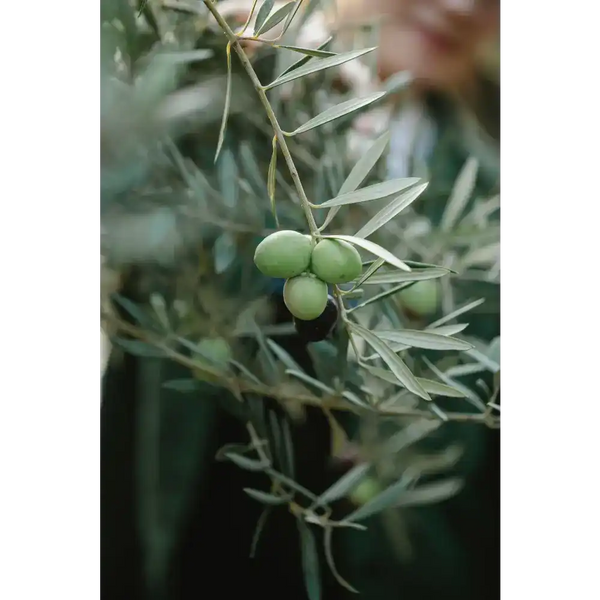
(283, 355)
(456, 313)
(327, 543)
(276, 18)
(263, 13)
(448, 329)
(373, 268)
(224, 252)
(373, 248)
(394, 362)
(260, 525)
(430, 493)
(291, 16)
(490, 364)
(265, 498)
(227, 104)
(380, 296)
(393, 209)
(271, 180)
(376, 191)
(138, 348)
(310, 561)
(310, 380)
(183, 385)
(359, 172)
(309, 53)
(335, 112)
(315, 66)
(461, 192)
(432, 387)
(424, 339)
(414, 275)
(386, 499)
(248, 464)
(344, 484)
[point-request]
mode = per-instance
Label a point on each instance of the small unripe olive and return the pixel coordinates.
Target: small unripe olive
(283, 254)
(335, 261)
(305, 296)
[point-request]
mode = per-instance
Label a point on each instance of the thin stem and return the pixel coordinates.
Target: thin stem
(242, 386)
(233, 39)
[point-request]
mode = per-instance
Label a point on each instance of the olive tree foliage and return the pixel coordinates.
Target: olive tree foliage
(217, 132)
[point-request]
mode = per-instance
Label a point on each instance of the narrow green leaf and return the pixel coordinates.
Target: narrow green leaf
(448, 329)
(335, 112)
(386, 499)
(188, 56)
(263, 13)
(380, 296)
(459, 311)
(394, 362)
(327, 543)
(228, 179)
(315, 66)
(290, 17)
(138, 348)
(424, 339)
(409, 435)
(430, 493)
(310, 561)
(308, 52)
(265, 498)
(373, 249)
(224, 251)
(288, 449)
(387, 213)
(399, 277)
(471, 396)
(306, 58)
(429, 385)
(311, 381)
(463, 370)
(373, 268)
(490, 364)
(249, 464)
(260, 525)
(344, 484)
(182, 385)
(372, 192)
(271, 180)
(283, 356)
(251, 166)
(276, 18)
(135, 311)
(359, 172)
(227, 105)
(461, 192)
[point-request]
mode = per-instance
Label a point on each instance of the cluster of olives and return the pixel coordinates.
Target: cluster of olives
(308, 266)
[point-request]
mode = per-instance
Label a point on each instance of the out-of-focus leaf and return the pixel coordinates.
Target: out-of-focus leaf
(386, 499)
(283, 356)
(227, 105)
(488, 363)
(456, 313)
(461, 192)
(344, 484)
(138, 348)
(330, 561)
(430, 493)
(409, 435)
(224, 252)
(183, 385)
(228, 179)
(448, 329)
(136, 311)
(310, 380)
(271, 180)
(260, 525)
(394, 362)
(265, 498)
(310, 561)
(249, 464)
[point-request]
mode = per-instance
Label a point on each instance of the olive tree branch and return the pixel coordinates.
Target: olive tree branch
(247, 65)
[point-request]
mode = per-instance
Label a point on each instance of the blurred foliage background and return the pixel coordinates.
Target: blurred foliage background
(207, 390)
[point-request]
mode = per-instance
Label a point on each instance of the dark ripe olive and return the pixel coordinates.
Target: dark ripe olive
(318, 329)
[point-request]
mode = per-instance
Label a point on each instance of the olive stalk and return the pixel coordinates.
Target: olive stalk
(260, 90)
